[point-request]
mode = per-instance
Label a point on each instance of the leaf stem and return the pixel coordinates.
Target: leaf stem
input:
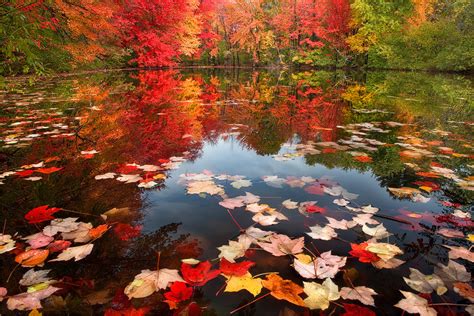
(250, 303)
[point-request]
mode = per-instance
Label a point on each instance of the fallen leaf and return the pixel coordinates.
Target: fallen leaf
(148, 282)
(415, 304)
(460, 252)
(283, 289)
(359, 251)
(208, 187)
(320, 295)
(378, 232)
(282, 245)
(453, 272)
(179, 292)
(98, 231)
(235, 269)
(465, 290)
(41, 214)
(78, 253)
(322, 233)
(360, 293)
(32, 277)
(58, 245)
(31, 258)
(199, 274)
(265, 220)
(289, 204)
(425, 283)
(80, 234)
(61, 225)
(383, 250)
(242, 183)
(38, 240)
(29, 301)
(234, 250)
(244, 282)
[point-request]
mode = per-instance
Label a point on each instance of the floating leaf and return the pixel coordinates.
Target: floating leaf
(320, 295)
(78, 253)
(415, 304)
(283, 289)
(425, 283)
(41, 214)
(359, 251)
(199, 274)
(244, 282)
(282, 245)
(31, 258)
(360, 293)
(29, 301)
(235, 269)
(322, 233)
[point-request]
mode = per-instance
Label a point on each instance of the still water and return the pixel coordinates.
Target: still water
(166, 147)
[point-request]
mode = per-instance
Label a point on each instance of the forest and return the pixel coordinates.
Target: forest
(54, 36)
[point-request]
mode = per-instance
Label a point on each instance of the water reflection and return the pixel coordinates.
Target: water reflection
(389, 130)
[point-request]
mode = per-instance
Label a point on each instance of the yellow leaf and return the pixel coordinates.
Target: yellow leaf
(470, 237)
(304, 258)
(245, 282)
(35, 312)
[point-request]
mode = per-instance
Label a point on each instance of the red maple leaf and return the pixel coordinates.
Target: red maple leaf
(315, 209)
(356, 310)
(41, 214)
(58, 245)
(358, 250)
(200, 274)
(236, 269)
(179, 292)
(24, 173)
(127, 231)
(48, 170)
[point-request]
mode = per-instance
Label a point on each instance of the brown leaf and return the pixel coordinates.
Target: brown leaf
(284, 289)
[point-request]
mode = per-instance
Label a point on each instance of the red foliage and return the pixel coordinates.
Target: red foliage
(200, 274)
(127, 231)
(149, 28)
(358, 250)
(356, 310)
(236, 269)
(179, 292)
(58, 245)
(131, 311)
(41, 214)
(315, 209)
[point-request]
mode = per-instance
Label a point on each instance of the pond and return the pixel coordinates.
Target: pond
(357, 178)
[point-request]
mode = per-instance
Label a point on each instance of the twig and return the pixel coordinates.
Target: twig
(250, 303)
